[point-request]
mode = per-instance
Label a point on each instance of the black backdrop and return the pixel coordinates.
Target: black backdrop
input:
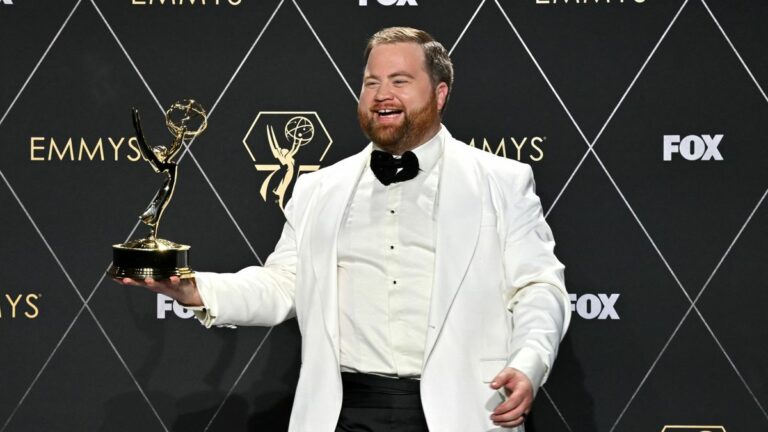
(663, 257)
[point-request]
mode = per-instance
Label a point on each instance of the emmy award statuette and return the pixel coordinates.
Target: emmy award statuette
(152, 256)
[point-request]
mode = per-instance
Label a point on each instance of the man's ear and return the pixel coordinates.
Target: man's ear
(441, 94)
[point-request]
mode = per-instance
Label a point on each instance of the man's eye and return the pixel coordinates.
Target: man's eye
(371, 84)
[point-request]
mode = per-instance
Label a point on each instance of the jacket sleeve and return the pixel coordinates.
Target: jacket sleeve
(258, 296)
(535, 289)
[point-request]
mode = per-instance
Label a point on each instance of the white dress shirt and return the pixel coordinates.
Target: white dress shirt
(386, 257)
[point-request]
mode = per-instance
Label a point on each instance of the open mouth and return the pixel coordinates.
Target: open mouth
(386, 115)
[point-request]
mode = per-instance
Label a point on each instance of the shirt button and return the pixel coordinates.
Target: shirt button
(392, 212)
(394, 282)
(391, 246)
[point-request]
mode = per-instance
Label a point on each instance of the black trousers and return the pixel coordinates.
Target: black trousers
(378, 404)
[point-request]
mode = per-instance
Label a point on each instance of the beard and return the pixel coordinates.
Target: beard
(408, 134)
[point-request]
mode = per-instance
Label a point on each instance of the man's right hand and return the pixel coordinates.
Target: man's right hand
(183, 291)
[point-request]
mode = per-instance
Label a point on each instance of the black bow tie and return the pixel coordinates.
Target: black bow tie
(386, 168)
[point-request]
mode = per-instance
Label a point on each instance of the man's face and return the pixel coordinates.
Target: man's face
(399, 107)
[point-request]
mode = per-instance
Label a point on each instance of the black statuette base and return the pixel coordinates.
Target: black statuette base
(138, 263)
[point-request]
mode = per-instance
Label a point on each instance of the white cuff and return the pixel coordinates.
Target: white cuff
(207, 313)
(528, 361)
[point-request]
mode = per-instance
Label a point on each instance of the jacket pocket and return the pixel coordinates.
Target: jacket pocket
(489, 368)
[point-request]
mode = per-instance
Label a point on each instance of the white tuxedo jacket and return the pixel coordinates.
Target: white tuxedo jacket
(493, 251)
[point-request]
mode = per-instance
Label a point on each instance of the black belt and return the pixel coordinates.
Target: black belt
(373, 391)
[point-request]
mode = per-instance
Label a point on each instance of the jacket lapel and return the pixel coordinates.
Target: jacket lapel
(336, 190)
(458, 229)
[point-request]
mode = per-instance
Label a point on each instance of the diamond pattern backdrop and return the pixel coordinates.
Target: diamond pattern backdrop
(662, 254)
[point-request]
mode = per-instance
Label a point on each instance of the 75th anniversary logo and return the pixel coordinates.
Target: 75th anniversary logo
(282, 145)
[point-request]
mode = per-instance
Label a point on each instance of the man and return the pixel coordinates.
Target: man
(424, 284)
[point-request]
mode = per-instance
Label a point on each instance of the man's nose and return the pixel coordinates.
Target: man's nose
(384, 92)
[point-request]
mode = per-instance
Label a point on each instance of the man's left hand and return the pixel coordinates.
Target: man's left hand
(519, 390)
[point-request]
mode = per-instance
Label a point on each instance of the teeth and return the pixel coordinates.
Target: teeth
(384, 112)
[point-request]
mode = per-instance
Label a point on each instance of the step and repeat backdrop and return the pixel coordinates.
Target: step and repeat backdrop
(645, 122)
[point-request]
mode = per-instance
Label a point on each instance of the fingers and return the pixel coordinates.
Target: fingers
(502, 378)
(163, 286)
(517, 404)
(510, 379)
(152, 285)
(160, 286)
(126, 281)
(514, 400)
(514, 422)
(512, 411)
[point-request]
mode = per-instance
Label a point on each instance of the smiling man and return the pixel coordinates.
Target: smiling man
(401, 100)
(421, 271)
